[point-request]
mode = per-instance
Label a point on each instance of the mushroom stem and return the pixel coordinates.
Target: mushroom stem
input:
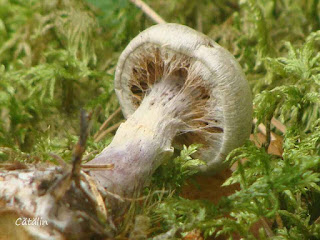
(145, 139)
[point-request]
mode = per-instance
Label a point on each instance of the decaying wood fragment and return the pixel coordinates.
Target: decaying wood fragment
(51, 202)
(45, 211)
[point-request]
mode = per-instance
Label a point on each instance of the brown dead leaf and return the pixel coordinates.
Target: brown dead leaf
(195, 234)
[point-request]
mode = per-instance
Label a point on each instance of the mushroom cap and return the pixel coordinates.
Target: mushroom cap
(222, 77)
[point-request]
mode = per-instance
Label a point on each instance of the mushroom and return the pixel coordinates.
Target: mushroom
(176, 87)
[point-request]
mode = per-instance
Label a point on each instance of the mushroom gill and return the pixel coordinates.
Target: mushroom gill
(153, 64)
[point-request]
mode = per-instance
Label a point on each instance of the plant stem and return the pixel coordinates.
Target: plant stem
(143, 141)
(148, 11)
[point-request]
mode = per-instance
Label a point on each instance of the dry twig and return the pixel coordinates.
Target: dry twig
(108, 130)
(97, 166)
(62, 185)
(80, 147)
(59, 159)
(106, 122)
(148, 11)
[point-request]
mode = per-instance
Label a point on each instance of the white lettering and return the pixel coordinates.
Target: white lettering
(17, 221)
(24, 222)
(37, 221)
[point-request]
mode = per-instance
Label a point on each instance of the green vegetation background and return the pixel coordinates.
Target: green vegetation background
(57, 56)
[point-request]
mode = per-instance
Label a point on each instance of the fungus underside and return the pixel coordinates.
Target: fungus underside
(154, 64)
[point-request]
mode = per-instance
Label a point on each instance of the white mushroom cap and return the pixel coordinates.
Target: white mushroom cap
(177, 47)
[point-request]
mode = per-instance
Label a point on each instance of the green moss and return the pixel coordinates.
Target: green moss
(59, 56)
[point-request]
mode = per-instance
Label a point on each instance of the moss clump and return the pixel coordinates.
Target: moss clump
(58, 56)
